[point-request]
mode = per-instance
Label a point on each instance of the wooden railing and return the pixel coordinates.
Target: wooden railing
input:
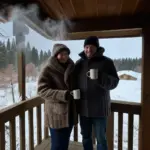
(10, 113)
(129, 108)
(121, 108)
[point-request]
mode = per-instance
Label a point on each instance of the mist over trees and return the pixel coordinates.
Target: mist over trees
(128, 64)
(8, 54)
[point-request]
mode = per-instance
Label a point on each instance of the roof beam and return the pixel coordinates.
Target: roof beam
(106, 34)
(110, 27)
(35, 26)
(109, 23)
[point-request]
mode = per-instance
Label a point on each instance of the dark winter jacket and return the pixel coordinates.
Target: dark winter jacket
(95, 94)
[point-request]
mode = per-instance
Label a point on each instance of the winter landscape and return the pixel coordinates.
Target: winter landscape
(127, 90)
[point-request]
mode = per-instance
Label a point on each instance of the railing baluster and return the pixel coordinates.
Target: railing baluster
(2, 136)
(12, 134)
(45, 128)
(110, 131)
(93, 135)
(76, 133)
(120, 130)
(22, 131)
(39, 133)
(31, 137)
(45, 132)
(130, 132)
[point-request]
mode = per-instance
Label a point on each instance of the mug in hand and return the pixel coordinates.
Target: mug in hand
(93, 74)
(75, 94)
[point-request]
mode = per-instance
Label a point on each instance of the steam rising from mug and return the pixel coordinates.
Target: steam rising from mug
(57, 30)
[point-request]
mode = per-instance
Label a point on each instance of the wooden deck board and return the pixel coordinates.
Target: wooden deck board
(45, 145)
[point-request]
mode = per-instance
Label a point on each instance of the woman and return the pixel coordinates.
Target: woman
(54, 86)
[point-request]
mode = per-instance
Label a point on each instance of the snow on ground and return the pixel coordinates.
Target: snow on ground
(126, 91)
(6, 94)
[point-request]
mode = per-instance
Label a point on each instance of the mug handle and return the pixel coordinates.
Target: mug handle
(71, 93)
(87, 74)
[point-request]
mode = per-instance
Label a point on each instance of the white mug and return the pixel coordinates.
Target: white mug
(75, 94)
(93, 74)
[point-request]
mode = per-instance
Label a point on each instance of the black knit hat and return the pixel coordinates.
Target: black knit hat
(92, 40)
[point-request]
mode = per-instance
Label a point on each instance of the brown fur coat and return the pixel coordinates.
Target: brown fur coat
(53, 83)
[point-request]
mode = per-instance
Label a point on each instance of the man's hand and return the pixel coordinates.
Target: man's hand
(68, 96)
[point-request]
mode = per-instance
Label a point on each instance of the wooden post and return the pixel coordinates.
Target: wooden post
(19, 31)
(145, 110)
(21, 75)
(2, 136)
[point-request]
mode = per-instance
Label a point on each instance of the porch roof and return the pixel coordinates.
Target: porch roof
(111, 18)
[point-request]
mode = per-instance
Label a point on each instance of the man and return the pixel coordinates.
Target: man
(94, 105)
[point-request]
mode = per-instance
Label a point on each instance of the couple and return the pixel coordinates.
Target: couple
(60, 77)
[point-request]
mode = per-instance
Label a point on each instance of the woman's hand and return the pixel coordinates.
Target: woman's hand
(68, 96)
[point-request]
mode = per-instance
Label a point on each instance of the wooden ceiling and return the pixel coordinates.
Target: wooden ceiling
(104, 18)
(83, 9)
(100, 16)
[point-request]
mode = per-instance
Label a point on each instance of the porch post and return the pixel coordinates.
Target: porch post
(145, 103)
(19, 31)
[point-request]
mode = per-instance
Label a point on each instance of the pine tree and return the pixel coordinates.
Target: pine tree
(41, 57)
(45, 56)
(13, 45)
(3, 55)
(8, 49)
(35, 56)
(13, 53)
(127, 63)
(8, 45)
(49, 53)
(28, 53)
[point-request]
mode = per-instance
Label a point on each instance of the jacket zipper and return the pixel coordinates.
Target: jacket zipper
(87, 89)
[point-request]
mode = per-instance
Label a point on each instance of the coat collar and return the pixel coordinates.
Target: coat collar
(55, 65)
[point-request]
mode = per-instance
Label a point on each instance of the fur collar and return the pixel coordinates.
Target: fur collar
(54, 64)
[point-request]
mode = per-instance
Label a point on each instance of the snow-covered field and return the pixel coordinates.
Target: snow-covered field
(126, 91)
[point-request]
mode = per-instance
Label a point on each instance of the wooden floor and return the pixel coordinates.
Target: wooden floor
(45, 145)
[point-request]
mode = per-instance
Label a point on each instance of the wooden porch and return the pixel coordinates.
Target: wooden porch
(43, 142)
(45, 145)
(105, 19)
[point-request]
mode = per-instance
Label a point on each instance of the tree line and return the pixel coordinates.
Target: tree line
(8, 54)
(128, 64)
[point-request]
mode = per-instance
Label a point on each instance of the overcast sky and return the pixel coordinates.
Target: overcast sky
(114, 48)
